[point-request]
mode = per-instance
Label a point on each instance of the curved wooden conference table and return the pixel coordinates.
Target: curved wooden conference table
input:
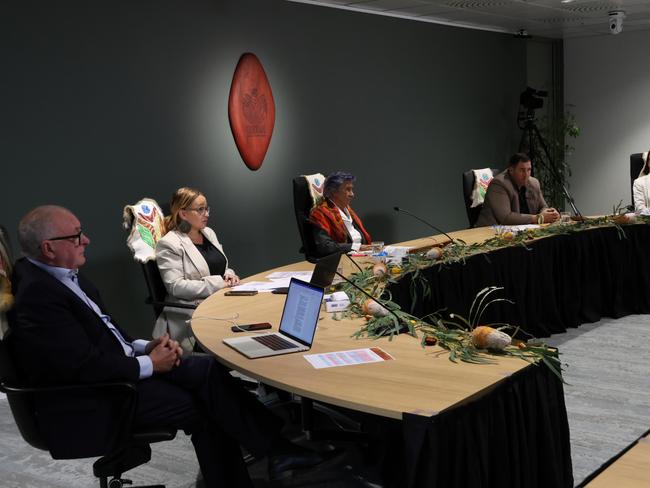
(455, 422)
(419, 380)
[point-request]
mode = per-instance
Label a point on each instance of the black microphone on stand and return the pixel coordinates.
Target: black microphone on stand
(372, 298)
(397, 209)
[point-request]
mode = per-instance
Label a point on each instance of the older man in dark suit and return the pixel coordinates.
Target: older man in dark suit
(514, 197)
(61, 333)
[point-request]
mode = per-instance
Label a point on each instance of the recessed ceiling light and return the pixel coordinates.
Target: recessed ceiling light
(567, 1)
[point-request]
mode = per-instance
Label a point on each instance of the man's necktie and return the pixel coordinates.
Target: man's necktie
(523, 203)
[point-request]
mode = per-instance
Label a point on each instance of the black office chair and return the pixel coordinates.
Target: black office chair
(468, 186)
(302, 203)
(109, 407)
(636, 165)
(156, 288)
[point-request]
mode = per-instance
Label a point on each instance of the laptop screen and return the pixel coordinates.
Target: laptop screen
(325, 270)
(301, 310)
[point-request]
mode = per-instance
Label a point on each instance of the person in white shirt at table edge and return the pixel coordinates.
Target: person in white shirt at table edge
(641, 188)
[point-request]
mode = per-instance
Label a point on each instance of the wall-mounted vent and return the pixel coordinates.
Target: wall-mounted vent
(590, 8)
(561, 20)
(476, 4)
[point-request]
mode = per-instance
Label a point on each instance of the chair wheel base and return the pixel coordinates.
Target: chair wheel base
(119, 483)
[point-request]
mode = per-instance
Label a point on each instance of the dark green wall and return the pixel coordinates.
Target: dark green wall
(107, 101)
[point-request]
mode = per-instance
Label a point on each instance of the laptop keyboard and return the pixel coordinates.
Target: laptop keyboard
(274, 342)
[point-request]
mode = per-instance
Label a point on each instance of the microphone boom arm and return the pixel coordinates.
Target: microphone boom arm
(398, 327)
(451, 239)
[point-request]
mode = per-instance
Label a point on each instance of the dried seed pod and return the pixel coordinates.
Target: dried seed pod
(430, 341)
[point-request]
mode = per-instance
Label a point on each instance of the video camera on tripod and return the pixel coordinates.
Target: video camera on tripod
(531, 139)
(529, 101)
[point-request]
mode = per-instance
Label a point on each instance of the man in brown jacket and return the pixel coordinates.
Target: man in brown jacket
(514, 197)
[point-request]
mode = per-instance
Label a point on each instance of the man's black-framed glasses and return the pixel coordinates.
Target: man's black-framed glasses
(64, 238)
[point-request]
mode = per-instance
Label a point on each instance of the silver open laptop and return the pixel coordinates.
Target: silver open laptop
(297, 326)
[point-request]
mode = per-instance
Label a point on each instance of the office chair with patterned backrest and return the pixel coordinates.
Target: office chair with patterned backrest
(145, 223)
(473, 193)
(108, 407)
(307, 190)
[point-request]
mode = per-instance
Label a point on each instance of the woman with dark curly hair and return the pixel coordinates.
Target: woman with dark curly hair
(336, 227)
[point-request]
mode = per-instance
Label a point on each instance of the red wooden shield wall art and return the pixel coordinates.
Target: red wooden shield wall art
(251, 110)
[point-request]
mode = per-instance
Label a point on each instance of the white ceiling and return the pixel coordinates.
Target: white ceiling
(539, 18)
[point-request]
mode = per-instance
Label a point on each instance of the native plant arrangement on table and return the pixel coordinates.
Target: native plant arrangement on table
(467, 340)
(383, 316)
(459, 251)
(464, 338)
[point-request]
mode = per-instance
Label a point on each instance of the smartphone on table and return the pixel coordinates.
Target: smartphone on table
(250, 327)
(240, 293)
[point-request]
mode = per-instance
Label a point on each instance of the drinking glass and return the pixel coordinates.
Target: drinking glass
(377, 247)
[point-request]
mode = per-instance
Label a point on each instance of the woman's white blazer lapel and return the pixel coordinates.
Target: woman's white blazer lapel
(194, 255)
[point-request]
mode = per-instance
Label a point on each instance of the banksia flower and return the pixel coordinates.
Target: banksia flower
(370, 307)
(379, 270)
(485, 337)
(434, 253)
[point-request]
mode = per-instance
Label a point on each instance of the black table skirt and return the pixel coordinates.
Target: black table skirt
(556, 283)
(516, 436)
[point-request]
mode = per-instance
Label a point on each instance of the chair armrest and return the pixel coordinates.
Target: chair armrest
(125, 385)
(74, 420)
(164, 303)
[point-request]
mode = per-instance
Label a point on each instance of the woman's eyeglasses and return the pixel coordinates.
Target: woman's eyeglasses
(201, 210)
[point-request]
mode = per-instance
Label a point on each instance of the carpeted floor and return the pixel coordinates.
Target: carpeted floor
(174, 463)
(608, 403)
(608, 395)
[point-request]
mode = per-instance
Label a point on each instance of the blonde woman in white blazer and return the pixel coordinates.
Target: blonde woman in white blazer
(191, 261)
(641, 188)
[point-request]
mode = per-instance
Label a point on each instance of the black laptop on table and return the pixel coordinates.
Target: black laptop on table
(323, 275)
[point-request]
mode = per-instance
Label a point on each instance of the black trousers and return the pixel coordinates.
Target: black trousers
(203, 399)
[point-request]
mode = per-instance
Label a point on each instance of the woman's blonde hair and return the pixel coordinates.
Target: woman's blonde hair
(181, 199)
